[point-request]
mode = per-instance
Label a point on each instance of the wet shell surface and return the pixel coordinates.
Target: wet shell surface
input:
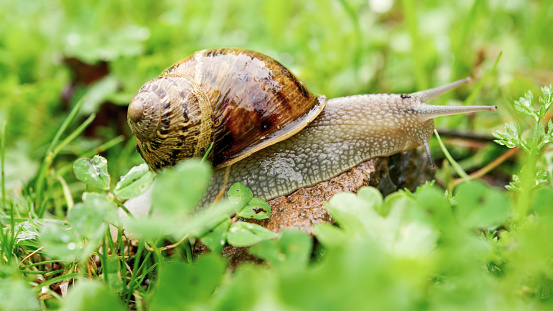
(234, 100)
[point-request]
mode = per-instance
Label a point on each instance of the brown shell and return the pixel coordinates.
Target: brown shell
(254, 100)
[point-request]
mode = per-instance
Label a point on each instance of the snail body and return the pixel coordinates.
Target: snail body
(303, 141)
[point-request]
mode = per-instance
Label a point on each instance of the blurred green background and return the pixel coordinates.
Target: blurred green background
(54, 52)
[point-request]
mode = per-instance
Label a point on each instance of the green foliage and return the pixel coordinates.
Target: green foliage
(134, 183)
(254, 208)
(493, 206)
(182, 286)
(179, 191)
(15, 294)
(175, 198)
(89, 296)
(474, 247)
(532, 141)
(529, 140)
(93, 172)
(246, 234)
(289, 254)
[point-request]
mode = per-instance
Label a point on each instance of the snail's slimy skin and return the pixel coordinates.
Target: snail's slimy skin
(349, 130)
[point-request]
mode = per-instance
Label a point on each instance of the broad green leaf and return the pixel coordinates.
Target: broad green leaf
(216, 238)
(15, 294)
(91, 296)
(289, 253)
(89, 218)
(397, 233)
(330, 235)
(93, 172)
(351, 212)
(193, 225)
(250, 288)
(148, 228)
(181, 286)
(256, 209)
(86, 219)
(432, 207)
(60, 242)
(371, 195)
(205, 219)
(136, 182)
(103, 206)
(397, 199)
(480, 206)
(246, 234)
(542, 202)
(240, 194)
(178, 191)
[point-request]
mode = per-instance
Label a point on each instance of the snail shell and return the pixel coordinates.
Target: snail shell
(239, 101)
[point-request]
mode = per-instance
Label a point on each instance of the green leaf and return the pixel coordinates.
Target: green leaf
(15, 294)
(432, 207)
(206, 219)
(330, 235)
(250, 288)
(181, 285)
(480, 206)
(87, 220)
(372, 195)
(93, 172)
(102, 205)
(290, 253)
(178, 191)
(542, 201)
(216, 238)
(256, 209)
(136, 182)
(60, 242)
(395, 234)
(396, 200)
(148, 228)
(525, 105)
(351, 212)
(27, 230)
(546, 100)
(91, 296)
(240, 194)
(246, 234)
(511, 137)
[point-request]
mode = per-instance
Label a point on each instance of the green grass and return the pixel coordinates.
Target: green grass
(69, 68)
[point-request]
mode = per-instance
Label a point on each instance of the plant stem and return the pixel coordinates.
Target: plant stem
(527, 178)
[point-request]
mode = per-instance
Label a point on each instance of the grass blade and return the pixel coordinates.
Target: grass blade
(454, 164)
(53, 149)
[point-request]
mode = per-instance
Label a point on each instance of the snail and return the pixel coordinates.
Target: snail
(266, 129)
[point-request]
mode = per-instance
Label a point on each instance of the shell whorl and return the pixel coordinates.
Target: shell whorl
(171, 117)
